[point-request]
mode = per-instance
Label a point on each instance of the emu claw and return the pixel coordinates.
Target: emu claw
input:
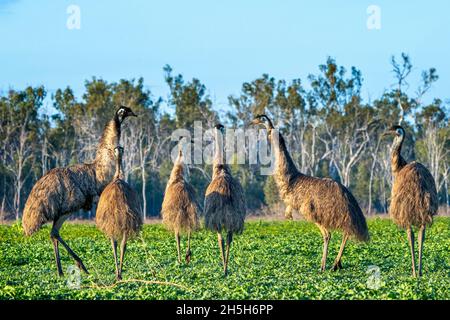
(337, 266)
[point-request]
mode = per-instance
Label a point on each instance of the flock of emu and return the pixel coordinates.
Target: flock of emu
(327, 203)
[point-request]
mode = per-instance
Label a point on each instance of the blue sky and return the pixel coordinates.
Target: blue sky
(223, 43)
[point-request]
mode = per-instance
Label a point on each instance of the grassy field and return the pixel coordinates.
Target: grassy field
(271, 260)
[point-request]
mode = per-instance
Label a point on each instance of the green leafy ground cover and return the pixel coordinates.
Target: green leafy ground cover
(271, 260)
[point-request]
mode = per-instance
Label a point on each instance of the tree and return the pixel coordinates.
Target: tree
(21, 120)
(347, 123)
(433, 145)
(189, 99)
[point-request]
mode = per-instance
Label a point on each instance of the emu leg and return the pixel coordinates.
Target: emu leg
(55, 230)
(57, 258)
(421, 240)
(337, 263)
(229, 240)
(188, 251)
(220, 241)
(116, 263)
(123, 248)
(55, 234)
(73, 254)
(288, 213)
(326, 239)
(411, 244)
(177, 238)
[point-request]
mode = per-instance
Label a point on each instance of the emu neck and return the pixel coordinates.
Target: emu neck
(104, 157)
(218, 164)
(119, 173)
(178, 172)
(285, 169)
(397, 161)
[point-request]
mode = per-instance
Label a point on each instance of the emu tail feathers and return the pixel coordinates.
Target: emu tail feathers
(33, 216)
(358, 222)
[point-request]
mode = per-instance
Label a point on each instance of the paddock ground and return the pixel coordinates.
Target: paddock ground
(270, 260)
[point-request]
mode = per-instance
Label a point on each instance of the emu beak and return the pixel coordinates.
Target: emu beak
(387, 133)
(133, 114)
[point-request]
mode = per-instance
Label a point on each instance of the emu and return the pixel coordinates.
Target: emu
(224, 201)
(63, 191)
(179, 208)
(326, 202)
(119, 212)
(414, 199)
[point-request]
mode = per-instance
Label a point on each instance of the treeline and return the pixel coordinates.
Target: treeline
(330, 130)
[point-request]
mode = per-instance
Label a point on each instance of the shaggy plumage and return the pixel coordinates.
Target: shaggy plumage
(119, 213)
(63, 191)
(326, 202)
(179, 208)
(340, 211)
(224, 201)
(414, 199)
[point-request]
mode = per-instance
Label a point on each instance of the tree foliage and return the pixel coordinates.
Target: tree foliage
(329, 128)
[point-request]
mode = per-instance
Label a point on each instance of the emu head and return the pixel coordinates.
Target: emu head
(396, 131)
(399, 135)
(184, 141)
(262, 119)
(220, 127)
(118, 152)
(124, 112)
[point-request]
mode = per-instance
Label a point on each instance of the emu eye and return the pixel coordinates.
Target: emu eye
(399, 132)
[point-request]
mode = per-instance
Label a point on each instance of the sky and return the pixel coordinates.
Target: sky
(222, 43)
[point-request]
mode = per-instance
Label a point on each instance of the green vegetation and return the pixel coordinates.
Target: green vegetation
(271, 260)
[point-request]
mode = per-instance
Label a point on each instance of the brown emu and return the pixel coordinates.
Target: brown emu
(179, 208)
(224, 201)
(63, 191)
(119, 212)
(327, 203)
(414, 199)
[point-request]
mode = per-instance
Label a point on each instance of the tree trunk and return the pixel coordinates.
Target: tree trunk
(144, 196)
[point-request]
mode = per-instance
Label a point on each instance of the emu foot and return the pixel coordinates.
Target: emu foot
(188, 256)
(118, 277)
(337, 266)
